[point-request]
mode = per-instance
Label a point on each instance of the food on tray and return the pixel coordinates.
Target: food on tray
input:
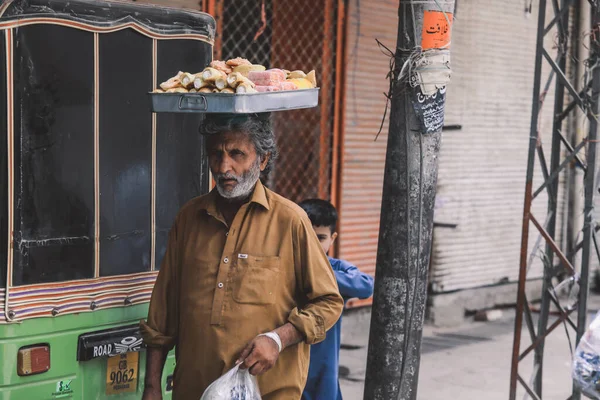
(282, 74)
(172, 82)
(301, 83)
(265, 78)
(177, 90)
(288, 85)
(187, 80)
(296, 74)
(262, 89)
(221, 66)
(211, 74)
(312, 77)
(199, 83)
(236, 78)
(240, 76)
(221, 83)
(236, 62)
(245, 87)
(246, 69)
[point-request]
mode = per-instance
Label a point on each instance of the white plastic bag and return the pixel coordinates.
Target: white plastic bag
(236, 384)
(586, 362)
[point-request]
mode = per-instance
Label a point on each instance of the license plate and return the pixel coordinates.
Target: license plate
(122, 373)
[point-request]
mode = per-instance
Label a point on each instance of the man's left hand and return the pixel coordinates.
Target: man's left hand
(260, 355)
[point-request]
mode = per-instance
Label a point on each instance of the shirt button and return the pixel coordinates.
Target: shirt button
(226, 260)
(220, 285)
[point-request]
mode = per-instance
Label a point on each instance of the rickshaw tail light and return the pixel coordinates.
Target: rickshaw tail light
(33, 360)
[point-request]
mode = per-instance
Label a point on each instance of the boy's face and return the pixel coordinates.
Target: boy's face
(325, 237)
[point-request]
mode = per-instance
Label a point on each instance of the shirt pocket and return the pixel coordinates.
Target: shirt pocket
(255, 279)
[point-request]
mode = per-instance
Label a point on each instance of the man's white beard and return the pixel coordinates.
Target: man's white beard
(245, 183)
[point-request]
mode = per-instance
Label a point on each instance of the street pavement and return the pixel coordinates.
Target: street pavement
(469, 362)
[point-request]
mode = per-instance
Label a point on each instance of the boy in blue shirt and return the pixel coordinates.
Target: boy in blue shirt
(322, 382)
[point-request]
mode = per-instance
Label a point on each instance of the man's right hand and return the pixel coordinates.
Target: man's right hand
(151, 393)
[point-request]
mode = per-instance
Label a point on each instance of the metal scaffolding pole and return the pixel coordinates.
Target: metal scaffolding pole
(587, 100)
(552, 189)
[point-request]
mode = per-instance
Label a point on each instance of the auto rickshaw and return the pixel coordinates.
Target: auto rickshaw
(91, 181)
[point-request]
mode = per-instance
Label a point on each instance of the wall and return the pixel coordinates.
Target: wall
(482, 165)
(363, 157)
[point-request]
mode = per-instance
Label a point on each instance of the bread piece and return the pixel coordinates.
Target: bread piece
(245, 87)
(236, 78)
(296, 74)
(199, 83)
(266, 78)
(187, 80)
(288, 85)
(236, 62)
(177, 90)
(206, 89)
(221, 66)
(172, 82)
(312, 77)
(301, 83)
(228, 90)
(246, 69)
(211, 74)
(282, 74)
(267, 88)
(221, 83)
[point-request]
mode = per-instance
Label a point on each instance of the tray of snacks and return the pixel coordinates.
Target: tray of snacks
(236, 86)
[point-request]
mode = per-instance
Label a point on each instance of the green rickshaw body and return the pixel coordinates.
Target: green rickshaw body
(90, 183)
(68, 378)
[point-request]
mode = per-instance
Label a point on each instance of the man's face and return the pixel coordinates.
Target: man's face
(325, 237)
(234, 164)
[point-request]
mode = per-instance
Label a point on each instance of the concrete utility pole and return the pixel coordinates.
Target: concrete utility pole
(417, 112)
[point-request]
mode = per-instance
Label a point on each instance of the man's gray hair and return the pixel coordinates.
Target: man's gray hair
(258, 127)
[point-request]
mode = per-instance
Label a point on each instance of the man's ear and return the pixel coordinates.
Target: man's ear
(334, 236)
(264, 161)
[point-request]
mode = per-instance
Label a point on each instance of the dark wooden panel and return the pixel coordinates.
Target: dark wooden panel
(181, 170)
(125, 61)
(54, 130)
(3, 162)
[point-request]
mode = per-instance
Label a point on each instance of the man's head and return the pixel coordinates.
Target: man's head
(323, 216)
(240, 148)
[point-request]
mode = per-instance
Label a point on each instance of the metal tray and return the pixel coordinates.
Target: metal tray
(233, 103)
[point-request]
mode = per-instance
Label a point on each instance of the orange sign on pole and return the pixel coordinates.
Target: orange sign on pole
(437, 29)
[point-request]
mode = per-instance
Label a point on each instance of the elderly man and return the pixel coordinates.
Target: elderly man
(244, 278)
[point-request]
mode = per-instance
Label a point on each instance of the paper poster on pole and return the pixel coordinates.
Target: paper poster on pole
(437, 30)
(429, 109)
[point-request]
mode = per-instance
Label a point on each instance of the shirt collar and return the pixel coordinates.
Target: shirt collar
(259, 196)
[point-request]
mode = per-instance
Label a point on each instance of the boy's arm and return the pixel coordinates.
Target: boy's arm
(351, 282)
